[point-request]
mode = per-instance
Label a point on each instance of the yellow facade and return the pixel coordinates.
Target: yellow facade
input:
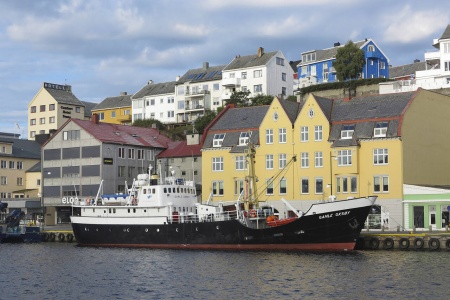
(116, 115)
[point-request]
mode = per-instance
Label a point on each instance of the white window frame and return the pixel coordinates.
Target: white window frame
(304, 160)
(344, 158)
(269, 136)
(304, 134)
(318, 184)
(347, 131)
(244, 138)
(282, 135)
(257, 73)
(380, 156)
(380, 129)
(217, 188)
(318, 133)
(382, 182)
(269, 161)
(318, 159)
(217, 164)
(302, 189)
(282, 160)
(218, 139)
(240, 163)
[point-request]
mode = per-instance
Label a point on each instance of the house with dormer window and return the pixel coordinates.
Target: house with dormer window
(316, 66)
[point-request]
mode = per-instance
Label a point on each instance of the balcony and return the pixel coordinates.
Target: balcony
(194, 107)
(373, 55)
(196, 93)
(434, 55)
(231, 82)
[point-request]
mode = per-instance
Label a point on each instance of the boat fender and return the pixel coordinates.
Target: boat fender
(434, 244)
(418, 243)
(374, 243)
(69, 237)
(447, 244)
(45, 237)
(388, 243)
(253, 213)
(52, 237)
(403, 243)
(61, 237)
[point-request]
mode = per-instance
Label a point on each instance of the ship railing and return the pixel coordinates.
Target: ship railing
(194, 218)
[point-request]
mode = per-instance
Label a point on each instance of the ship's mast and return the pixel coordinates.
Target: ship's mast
(251, 200)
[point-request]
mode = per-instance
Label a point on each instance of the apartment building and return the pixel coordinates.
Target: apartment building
(115, 110)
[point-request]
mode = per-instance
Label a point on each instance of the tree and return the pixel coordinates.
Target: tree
(239, 98)
(349, 62)
(148, 123)
(201, 123)
(261, 100)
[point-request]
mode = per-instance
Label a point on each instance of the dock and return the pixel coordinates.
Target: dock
(404, 240)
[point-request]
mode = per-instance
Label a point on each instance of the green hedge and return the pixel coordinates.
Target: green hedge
(352, 84)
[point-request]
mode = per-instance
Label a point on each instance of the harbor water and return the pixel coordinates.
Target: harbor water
(66, 271)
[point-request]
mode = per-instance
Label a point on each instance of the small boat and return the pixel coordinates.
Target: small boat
(14, 229)
(165, 214)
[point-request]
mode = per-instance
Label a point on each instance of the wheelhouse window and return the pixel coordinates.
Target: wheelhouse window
(347, 131)
(380, 129)
(218, 139)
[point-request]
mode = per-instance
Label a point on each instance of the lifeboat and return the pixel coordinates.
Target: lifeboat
(274, 222)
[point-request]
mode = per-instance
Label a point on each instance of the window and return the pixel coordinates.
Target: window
(131, 153)
(318, 159)
(51, 120)
(244, 75)
(257, 73)
(353, 184)
(113, 114)
(32, 134)
(78, 109)
(101, 116)
(121, 171)
(380, 156)
(217, 164)
(319, 185)
(218, 139)
(305, 186)
(243, 138)
(152, 101)
(121, 152)
(305, 160)
(304, 135)
(282, 135)
(283, 76)
(283, 186)
(4, 180)
(269, 184)
(42, 121)
(217, 187)
(381, 184)
(344, 157)
(283, 91)
(170, 114)
(257, 88)
(309, 57)
(51, 107)
(140, 154)
(42, 108)
(269, 136)
(232, 75)
(4, 164)
(347, 131)
(240, 162)
(446, 47)
(38, 182)
(150, 155)
(33, 109)
(33, 122)
(269, 161)
(181, 104)
(19, 181)
(238, 186)
(12, 164)
(280, 61)
(216, 86)
(370, 48)
(282, 160)
(380, 129)
(71, 135)
(131, 172)
(318, 133)
(382, 65)
(20, 165)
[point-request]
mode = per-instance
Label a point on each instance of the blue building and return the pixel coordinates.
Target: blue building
(316, 66)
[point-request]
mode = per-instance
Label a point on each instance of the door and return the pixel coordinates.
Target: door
(432, 212)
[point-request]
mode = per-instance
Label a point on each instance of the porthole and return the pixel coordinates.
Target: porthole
(217, 227)
(157, 230)
(96, 229)
(196, 228)
(176, 230)
(146, 229)
(128, 229)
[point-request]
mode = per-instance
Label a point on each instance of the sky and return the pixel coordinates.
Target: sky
(104, 47)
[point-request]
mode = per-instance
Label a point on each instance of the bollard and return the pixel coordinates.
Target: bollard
(398, 228)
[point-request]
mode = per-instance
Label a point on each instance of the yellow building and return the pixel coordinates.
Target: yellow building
(115, 110)
(343, 148)
(52, 106)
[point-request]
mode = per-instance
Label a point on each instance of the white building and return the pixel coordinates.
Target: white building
(260, 73)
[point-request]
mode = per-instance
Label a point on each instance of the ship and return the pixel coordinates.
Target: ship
(164, 213)
(15, 229)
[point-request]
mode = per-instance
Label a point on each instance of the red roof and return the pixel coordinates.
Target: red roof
(180, 149)
(124, 134)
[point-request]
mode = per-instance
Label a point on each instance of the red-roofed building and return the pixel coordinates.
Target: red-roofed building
(185, 158)
(82, 153)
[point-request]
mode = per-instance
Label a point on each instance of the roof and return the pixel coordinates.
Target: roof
(121, 134)
(330, 53)
(88, 106)
(294, 65)
(446, 34)
(180, 149)
(249, 61)
(291, 108)
(62, 94)
(241, 118)
(151, 89)
(114, 102)
(406, 70)
(35, 168)
(22, 148)
(204, 74)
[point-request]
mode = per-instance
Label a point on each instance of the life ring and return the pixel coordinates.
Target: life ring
(45, 237)
(418, 243)
(433, 244)
(253, 213)
(69, 237)
(374, 243)
(61, 237)
(388, 243)
(52, 237)
(403, 243)
(447, 244)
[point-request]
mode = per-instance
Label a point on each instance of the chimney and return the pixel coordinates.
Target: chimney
(94, 118)
(177, 78)
(260, 51)
(123, 93)
(205, 65)
(150, 82)
(337, 44)
(416, 60)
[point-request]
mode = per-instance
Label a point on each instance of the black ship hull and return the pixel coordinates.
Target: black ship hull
(330, 231)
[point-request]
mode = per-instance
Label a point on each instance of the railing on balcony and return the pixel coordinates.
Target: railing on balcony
(233, 82)
(193, 107)
(196, 93)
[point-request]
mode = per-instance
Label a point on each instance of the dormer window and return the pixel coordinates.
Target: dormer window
(243, 138)
(380, 129)
(347, 131)
(218, 139)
